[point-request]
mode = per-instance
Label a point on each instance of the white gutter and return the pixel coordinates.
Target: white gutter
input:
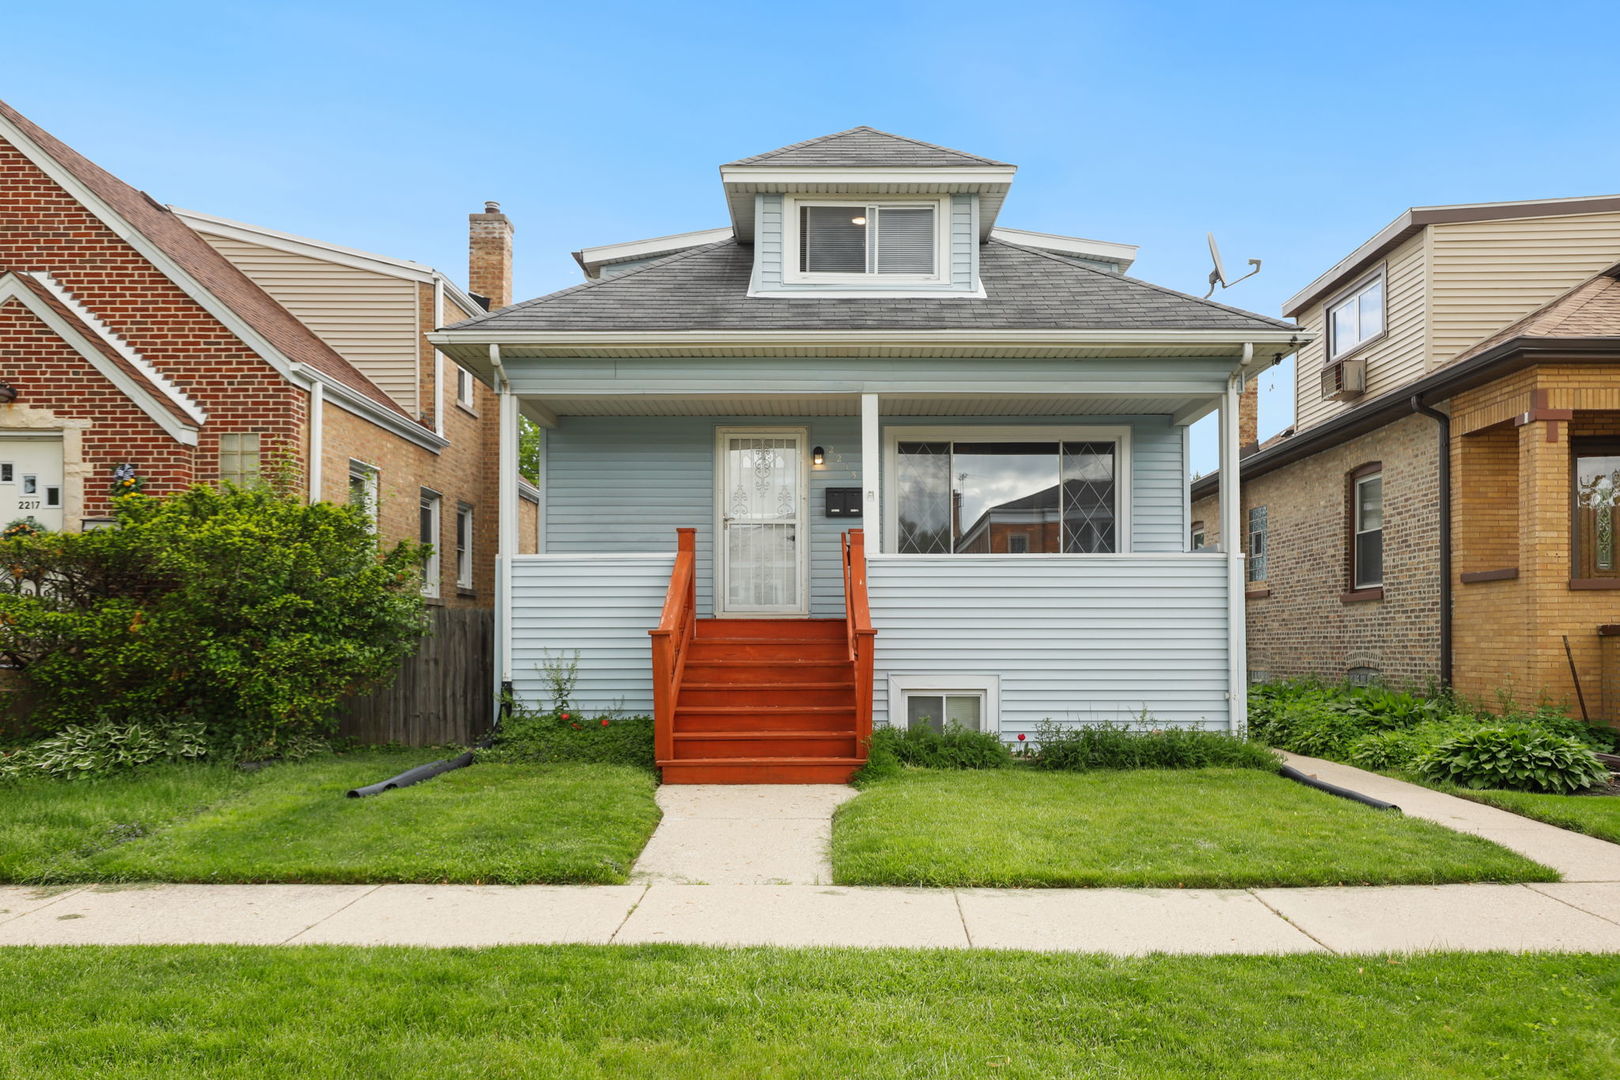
(351, 400)
(687, 338)
(317, 439)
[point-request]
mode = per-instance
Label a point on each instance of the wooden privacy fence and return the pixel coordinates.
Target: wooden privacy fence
(442, 694)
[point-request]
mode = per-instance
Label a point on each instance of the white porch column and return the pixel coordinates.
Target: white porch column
(1231, 505)
(871, 474)
(507, 533)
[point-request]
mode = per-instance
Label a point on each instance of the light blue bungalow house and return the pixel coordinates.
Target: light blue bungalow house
(867, 457)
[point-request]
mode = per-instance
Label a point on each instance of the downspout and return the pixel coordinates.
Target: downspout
(317, 438)
(506, 531)
(1231, 531)
(1444, 477)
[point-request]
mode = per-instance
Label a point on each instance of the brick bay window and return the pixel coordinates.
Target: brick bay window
(1012, 491)
(1366, 528)
(858, 242)
(1597, 491)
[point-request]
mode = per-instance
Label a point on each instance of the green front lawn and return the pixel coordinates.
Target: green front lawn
(505, 824)
(661, 1011)
(1212, 828)
(1596, 815)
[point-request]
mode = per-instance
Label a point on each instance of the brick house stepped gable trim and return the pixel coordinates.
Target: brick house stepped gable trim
(225, 292)
(119, 364)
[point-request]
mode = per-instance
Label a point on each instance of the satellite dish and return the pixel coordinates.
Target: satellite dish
(1217, 276)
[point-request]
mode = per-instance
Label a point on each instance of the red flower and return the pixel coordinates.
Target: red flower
(576, 727)
(1020, 736)
(604, 721)
(565, 716)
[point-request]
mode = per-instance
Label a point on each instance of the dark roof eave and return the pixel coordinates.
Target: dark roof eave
(1512, 355)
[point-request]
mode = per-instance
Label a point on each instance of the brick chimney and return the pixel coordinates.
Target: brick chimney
(1249, 417)
(489, 256)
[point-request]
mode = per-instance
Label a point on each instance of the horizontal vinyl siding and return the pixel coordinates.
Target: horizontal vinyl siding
(369, 319)
(960, 261)
(1158, 486)
(601, 607)
(621, 486)
(1394, 360)
(964, 253)
(1489, 274)
(1073, 640)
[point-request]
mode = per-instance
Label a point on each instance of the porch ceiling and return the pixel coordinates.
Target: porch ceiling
(1009, 405)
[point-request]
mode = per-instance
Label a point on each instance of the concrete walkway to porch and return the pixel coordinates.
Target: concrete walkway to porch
(721, 836)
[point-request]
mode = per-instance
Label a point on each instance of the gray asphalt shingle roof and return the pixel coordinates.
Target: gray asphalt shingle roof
(864, 146)
(706, 288)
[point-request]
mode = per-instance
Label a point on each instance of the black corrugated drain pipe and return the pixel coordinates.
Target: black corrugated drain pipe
(1334, 789)
(412, 776)
(1443, 473)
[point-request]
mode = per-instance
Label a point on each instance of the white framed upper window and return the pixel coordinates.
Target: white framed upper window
(1356, 317)
(428, 536)
(464, 387)
(1023, 491)
(865, 241)
(1367, 528)
(363, 489)
(942, 701)
(464, 546)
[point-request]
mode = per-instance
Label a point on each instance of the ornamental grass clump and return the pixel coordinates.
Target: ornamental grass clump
(1518, 757)
(243, 610)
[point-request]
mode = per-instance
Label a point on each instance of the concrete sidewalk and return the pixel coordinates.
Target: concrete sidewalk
(725, 837)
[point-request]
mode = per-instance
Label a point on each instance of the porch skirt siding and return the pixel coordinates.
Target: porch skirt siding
(1076, 641)
(600, 607)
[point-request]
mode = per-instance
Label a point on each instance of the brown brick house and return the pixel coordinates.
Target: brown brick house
(1439, 511)
(182, 348)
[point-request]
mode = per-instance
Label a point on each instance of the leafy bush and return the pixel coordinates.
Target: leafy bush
(1107, 746)
(80, 752)
(241, 609)
(529, 735)
(1400, 749)
(957, 747)
(1515, 756)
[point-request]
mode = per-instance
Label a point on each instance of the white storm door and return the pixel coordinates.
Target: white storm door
(31, 480)
(760, 555)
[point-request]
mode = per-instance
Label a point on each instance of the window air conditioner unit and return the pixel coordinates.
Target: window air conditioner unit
(1344, 380)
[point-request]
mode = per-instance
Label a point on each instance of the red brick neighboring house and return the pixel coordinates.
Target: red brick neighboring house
(131, 344)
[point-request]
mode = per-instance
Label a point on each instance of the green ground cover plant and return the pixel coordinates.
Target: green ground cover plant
(1215, 828)
(290, 822)
(1080, 748)
(1435, 736)
(325, 1013)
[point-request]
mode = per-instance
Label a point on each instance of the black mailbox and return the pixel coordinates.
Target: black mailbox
(843, 502)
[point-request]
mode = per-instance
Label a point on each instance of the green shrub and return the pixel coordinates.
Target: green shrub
(1518, 757)
(530, 735)
(80, 752)
(892, 749)
(241, 609)
(1107, 746)
(1400, 749)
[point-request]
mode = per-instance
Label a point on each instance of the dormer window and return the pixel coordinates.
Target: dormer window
(857, 241)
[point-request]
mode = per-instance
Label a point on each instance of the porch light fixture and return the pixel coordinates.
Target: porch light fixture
(8, 393)
(818, 456)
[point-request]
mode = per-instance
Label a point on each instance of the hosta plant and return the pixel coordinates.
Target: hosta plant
(1513, 756)
(82, 751)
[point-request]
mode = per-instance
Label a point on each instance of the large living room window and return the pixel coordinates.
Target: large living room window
(1597, 493)
(1027, 491)
(1356, 318)
(850, 241)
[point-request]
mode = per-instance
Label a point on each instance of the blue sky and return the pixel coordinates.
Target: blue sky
(1293, 131)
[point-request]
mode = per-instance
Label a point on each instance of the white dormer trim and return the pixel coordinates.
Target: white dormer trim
(1102, 250)
(12, 289)
(593, 259)
(792, 275)
(743, 182)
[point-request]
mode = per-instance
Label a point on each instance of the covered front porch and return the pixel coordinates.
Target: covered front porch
(1026, 556)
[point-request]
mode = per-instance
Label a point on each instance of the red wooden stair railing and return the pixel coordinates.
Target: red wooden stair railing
(861, 635)
(672, 640)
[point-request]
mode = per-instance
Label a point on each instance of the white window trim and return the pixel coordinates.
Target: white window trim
(465, 580)
(801, 544)
(1119, 436)
(433, 568)
(465, 381)
(900, 686)
(1356, 532)
(373, 479)
(792, 275)
(1378, 276)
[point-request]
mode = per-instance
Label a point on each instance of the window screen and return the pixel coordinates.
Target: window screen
(854, 239)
